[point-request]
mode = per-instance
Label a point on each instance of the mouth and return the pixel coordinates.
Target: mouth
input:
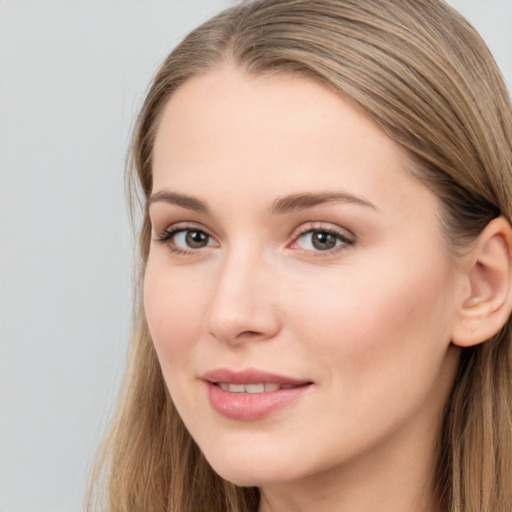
(267, 387)
(251, 381)
(251, 394)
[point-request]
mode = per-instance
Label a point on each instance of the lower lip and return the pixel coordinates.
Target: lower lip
(251, 406)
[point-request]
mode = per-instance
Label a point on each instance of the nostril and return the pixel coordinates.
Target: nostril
(249, 334)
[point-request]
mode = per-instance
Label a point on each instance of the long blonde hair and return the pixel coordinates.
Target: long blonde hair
(424, 75)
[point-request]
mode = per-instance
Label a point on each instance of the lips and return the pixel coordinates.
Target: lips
(251, 394)
(248, 377)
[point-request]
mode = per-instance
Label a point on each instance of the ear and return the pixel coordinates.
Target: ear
(486, 301)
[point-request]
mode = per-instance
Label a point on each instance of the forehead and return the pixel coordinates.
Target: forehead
(288, 104)
(226, 135)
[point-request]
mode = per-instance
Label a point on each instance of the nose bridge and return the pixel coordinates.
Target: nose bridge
(243, 303)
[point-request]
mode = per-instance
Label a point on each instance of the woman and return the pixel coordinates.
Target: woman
(325, 279)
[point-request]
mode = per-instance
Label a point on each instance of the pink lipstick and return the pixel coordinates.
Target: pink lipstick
(250, 395)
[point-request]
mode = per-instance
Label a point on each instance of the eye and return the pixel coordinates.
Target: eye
(322, 239)
(191, 239)
(185, 240)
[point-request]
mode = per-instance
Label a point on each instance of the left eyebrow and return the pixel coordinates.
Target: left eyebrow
(297, 202)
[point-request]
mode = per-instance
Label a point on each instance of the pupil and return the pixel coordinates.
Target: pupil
(196, 239)
(323, 241)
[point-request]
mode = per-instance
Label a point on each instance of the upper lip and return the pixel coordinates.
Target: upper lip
(249, 376)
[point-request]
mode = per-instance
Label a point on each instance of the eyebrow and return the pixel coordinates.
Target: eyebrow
(297, 202)
(282, 205)
(188, 202)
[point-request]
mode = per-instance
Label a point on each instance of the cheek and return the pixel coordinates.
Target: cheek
(383, 320)
(175, 313)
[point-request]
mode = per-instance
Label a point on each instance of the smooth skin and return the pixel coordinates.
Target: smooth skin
(358, 294)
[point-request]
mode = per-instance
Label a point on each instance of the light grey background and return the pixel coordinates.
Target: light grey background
(72, 75)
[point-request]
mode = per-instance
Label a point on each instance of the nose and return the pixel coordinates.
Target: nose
(244, 302)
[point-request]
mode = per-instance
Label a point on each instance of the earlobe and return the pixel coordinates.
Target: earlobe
(486, 302)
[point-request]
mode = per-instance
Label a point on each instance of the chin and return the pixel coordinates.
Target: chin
(250, 473)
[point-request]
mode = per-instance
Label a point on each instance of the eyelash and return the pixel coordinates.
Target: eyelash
(167, 237)
(346, 241)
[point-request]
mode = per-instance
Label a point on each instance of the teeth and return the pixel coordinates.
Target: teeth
(253, 388)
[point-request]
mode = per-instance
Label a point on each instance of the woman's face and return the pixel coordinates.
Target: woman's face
(298, 289)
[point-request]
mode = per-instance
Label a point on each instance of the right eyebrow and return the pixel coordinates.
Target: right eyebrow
(182, 200)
